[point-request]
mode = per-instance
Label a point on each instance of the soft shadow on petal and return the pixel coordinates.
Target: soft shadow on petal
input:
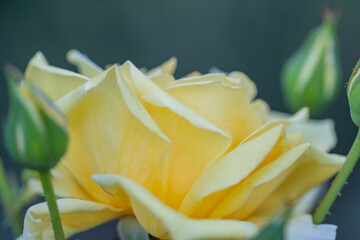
(214, 184)
(111, 132)
(76, 216)
(225, 105)
(84, 65)
(54, 82)
(262, 109)
(193, 138)
(280, 182)
(242, 80)
(163, 80)
(163, 222)
(320, 133)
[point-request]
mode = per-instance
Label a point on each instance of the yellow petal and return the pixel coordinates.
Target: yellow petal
(76, 216)
(85, 66)
(193, 138)
(167, 67)
(66, 184)
(193, 74)
(320, 133)
(223, 104)
(300, 116)
(163, 222)
(201, 79)
(242, 80)
(111, 132)
(227, 172)
(163, 79)
(285, 179)
(261, 109)
(54, 82)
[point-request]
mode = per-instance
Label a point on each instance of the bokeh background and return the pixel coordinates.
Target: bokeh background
(250, 35)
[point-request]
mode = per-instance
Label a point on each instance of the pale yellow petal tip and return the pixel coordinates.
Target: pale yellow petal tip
(84, 64)
(37, 59)
(106, 180)
(77, 216)
(71, 55)
(168, 67)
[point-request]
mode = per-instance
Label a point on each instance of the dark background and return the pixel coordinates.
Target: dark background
(252, 36)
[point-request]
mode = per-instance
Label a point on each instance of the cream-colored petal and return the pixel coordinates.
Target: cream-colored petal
(308, 200)
(111, 132)
(192, 74)
(128, 228)
(84, 65)
(76, 216)
(167, 67)
(262, 110)
(201, 79)
(242, 80)
(163, 80)
(66, 185)
(302, 228)
(54, 82)
(320, 133)
(163, 222)
(223, 104)
(193, 138)
(284, 179)
(227, 172)
(300, 116)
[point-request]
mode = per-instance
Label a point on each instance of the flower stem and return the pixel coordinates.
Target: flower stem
(45, 177)
(339, 182)
(7, 199)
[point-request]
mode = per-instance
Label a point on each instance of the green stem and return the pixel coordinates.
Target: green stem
(45, 177)
(339, 182)
(7, 198)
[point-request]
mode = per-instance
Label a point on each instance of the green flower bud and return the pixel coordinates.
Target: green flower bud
(312, 76)
(353, 92)
(35, 131)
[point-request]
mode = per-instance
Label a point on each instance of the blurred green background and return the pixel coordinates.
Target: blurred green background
(252, 36)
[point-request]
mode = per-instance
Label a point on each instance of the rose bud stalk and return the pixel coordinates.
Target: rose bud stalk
(353, 92)
(35, 136)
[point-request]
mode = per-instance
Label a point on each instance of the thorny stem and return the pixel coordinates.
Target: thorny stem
(339, 182)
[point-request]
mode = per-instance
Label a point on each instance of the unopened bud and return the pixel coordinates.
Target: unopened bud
(353, 92)
(35, 131)
(312, 76)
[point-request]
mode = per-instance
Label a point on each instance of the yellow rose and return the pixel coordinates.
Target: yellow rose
(194, 158)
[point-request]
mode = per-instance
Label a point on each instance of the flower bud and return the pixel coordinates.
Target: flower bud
(353, 92)
(312, 76)
(35, 131)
